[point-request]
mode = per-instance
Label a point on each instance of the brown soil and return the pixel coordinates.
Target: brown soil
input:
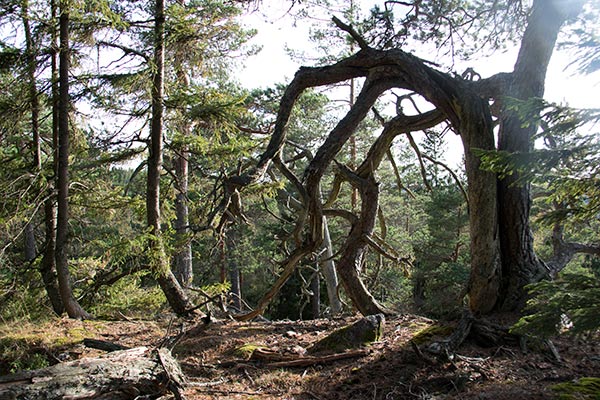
(388, 369)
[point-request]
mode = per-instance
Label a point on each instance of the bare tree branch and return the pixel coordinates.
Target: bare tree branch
(355, 35)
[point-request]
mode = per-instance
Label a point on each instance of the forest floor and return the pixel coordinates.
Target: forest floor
(217, 360)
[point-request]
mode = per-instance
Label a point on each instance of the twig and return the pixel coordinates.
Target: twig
(126, 318)
(219, 391)
(415, 147)
(247, 375)
(452, 173)
(205, 384)
(308, 361)
(312, 394)
(554, 351)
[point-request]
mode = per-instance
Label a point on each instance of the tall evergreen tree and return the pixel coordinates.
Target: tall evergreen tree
(175, 295)
(72, 307)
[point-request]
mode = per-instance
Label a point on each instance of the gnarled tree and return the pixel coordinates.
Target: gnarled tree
(502, 256)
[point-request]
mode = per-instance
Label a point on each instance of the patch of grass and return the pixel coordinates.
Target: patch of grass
(29, 362)
(584, 388)
(26, 345)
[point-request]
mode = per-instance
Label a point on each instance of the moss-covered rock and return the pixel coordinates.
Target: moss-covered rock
(584, 388)
(427, 334)
(361, 333)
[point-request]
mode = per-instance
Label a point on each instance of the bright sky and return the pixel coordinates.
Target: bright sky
(273, 65)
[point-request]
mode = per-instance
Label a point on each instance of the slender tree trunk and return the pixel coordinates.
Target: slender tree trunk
(30, 53)
(329, 273)
(30, 247)
(234, 270)
(418, 291)
(520, 264)
(183, 260)
(71, 305)
(170, 286)
(48, 262)
(315, 300)
(183, 257)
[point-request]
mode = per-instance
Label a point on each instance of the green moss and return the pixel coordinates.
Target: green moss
(584, 388)
(245, 351)
(428, 333)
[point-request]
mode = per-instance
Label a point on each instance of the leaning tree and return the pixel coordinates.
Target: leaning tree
(502, 257)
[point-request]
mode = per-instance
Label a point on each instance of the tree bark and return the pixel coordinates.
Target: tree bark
(234, 270)
(329, 272)
(183, 261)
(356, 246)
(74, 310)
(520, 264)
(486, 272)
(183, 257)
(31, 57)
(125, 374)
(175, 295)
(315, 299)
(418, 291)
(48, 262)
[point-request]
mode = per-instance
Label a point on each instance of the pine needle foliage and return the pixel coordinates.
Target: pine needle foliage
(564, 167)
(570, 304)
(565, 163)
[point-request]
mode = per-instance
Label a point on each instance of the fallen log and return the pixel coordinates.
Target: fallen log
(120, 375)
(103, 345)
(313, 360)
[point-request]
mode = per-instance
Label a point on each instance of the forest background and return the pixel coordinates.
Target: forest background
(139, 173)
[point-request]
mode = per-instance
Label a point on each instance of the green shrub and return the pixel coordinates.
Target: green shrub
(129, 297)
(570, 304)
